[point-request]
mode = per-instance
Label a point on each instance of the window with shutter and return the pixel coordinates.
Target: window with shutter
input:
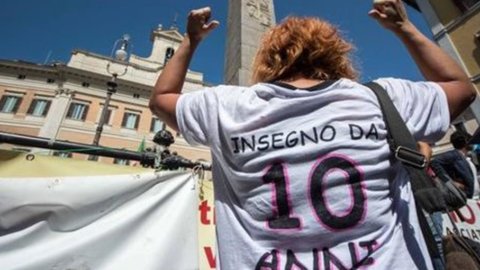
(17, 104)
(156, 125)
(84, 114)
(10, 104)
(137, 118)
(130, 120)
(47, 108)
(77, 111)
(39, 107)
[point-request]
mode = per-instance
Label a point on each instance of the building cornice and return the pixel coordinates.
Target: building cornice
(99, 56)
(24, 65)
(61, 70)
(136, 66)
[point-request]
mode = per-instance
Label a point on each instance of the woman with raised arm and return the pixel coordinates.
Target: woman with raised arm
(301, 165)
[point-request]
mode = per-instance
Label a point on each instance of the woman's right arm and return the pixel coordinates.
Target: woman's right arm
(435, 64)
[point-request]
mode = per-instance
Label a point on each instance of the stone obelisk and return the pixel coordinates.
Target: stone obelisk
(247, 21)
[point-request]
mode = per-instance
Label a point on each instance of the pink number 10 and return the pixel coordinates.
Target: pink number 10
(283, 218)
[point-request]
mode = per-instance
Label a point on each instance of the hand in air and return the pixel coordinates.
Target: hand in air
(198, 25)
(391, 14)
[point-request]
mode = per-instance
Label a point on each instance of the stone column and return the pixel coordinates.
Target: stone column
(247, 21)
(56, 114)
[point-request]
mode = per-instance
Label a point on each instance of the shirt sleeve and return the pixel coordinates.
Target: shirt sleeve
(196, 114)
(423, 106)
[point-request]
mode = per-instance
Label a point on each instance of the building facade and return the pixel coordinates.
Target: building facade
(64, 101)
(455, 25)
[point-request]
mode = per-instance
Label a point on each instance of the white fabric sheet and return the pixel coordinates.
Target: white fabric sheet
(141, 221)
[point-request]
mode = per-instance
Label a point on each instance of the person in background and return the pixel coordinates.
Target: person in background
(302, 171)
(456, 165)
(469, 148)
(455, 199)
(436, 219)
(459, 140)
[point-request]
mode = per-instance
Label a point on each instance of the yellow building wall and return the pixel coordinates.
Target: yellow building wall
(446, 10)
(466, 45)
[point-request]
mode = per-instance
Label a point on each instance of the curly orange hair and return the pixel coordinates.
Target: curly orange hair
(303, 47)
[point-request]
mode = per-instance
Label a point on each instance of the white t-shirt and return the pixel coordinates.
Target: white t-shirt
(303, 179)
(476, 186)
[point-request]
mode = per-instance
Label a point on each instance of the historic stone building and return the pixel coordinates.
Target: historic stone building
(64, 101)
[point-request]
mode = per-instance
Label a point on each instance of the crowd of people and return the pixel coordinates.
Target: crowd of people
(454, 173)
(295, 187)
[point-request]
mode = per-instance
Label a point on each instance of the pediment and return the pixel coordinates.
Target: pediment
(170, 34)
(173, 33)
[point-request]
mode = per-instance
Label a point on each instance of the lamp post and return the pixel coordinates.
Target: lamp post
(120, 53)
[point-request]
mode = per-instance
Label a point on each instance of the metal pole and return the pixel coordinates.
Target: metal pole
(112, 88)
(145, 158)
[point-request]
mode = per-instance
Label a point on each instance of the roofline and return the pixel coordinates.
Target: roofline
(62, 68)
(75, 51)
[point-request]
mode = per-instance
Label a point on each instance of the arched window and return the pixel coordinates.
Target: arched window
(169, 54)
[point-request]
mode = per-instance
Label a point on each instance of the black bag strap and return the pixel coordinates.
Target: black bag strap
(403, 145)
(401, 141)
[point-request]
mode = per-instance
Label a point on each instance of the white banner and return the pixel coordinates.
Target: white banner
(138, 221)
(467, 220)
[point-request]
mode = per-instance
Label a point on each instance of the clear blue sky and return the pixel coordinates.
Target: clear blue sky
(32, 28)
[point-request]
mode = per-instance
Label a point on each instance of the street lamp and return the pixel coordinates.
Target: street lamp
(120, 54)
